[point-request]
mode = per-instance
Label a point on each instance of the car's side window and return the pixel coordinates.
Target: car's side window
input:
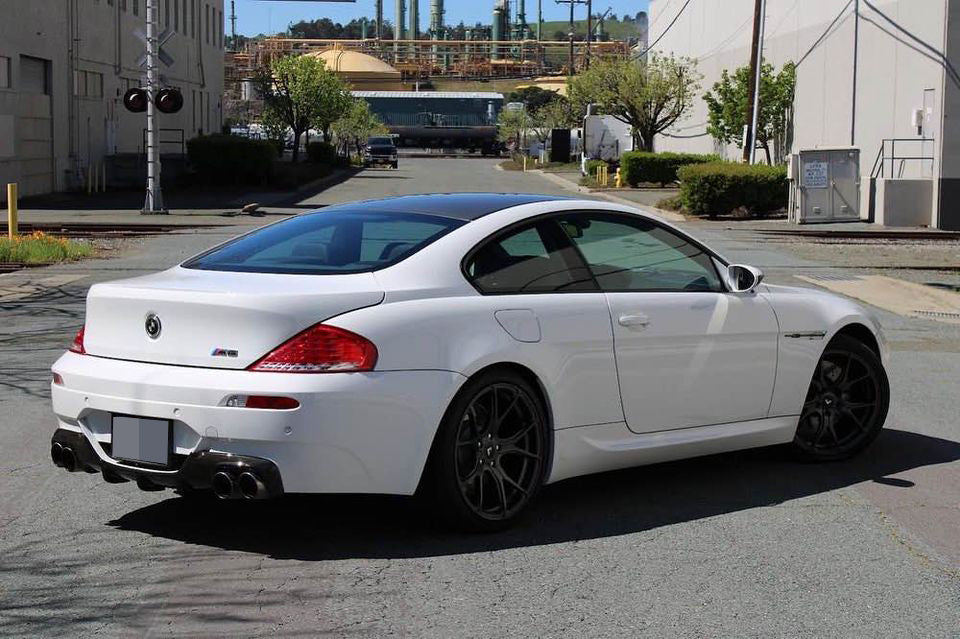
(535, 258)
(634, 254)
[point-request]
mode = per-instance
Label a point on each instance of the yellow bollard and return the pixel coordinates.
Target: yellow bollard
(12, 210)
(617, 180)
(524, 164)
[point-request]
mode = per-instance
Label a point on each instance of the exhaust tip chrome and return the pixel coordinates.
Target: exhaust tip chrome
(251, 486)
(222, 485)
(56, 454)
(68, 459)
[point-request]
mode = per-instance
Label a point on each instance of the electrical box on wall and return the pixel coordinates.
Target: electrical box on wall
(824, 185)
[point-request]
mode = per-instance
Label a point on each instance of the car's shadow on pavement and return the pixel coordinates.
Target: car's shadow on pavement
(348, 526)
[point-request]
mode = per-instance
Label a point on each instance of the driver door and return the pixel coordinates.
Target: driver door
(688, 352)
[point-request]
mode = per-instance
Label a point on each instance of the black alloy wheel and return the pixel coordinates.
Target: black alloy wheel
(491, 454)
(846, 404)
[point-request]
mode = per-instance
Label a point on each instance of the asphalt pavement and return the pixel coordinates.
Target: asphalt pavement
(745, 544)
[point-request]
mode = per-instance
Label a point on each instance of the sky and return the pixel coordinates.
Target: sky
(271, 16)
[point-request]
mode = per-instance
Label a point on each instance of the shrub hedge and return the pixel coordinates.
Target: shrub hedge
(637, 167)
(322, 153)
(231, 159)
(721, 187)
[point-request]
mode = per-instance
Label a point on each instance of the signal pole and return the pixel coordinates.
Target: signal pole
(153, 205)
(753, 98)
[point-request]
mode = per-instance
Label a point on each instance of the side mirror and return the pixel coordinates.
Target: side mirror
(743, 279)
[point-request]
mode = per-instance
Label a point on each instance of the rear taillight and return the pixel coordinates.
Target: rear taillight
(77, 346)
(320, 349)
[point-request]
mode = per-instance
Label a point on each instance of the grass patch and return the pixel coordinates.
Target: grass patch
(511, 165)
(40, 248)
(671, 204)
(561, 167)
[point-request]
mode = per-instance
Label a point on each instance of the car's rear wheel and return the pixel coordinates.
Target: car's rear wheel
(846, 403)
(491, 452)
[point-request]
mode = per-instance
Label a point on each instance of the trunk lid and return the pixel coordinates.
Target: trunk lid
(215, 319)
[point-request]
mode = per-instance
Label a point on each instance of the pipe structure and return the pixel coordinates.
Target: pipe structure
(398, 30)
(496, 31)
(522, 20)
(539, 19)
(436, 18)
(413, 31)
(378, 14)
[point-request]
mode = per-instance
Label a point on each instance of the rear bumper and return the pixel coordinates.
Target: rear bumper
(353, 432)
(195, 473)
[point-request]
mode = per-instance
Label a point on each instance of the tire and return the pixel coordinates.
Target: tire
(396, 165)
(846, 404)
(484, 472)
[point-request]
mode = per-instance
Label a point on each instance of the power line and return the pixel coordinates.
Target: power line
(669, 26)
(726, 41)
(660, 15)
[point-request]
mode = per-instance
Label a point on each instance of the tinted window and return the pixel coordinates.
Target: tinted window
(380, 141)
(328, 243)
(532, 259)
(638, 255)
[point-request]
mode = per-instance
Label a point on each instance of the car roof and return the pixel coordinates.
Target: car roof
(458, 206)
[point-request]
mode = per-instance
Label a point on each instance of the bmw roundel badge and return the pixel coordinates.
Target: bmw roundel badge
(153, 326)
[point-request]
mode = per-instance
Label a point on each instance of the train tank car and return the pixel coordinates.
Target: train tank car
(439, 119)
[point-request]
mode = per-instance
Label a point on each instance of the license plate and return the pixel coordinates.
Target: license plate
(140, 439)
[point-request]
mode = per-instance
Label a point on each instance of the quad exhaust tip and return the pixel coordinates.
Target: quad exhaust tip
(251, 486)
(56, 454)
(222, 485)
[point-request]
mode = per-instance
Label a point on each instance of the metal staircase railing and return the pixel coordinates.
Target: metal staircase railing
(879, 165)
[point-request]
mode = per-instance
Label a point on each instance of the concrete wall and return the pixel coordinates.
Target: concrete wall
(901, 62)
(903, 202)
(89, 124)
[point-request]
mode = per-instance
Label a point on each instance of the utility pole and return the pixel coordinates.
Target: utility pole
(856, 52)
(153, 204)
(233, 24)
(753, 99)
(572, 3)
(586, 56)
(539, 19)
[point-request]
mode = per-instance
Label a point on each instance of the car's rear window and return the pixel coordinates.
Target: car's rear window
(327, 243)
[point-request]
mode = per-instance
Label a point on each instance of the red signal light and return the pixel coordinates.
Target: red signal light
(135, 100)
(169, 100)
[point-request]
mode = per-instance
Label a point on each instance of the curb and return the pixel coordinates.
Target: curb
(667, 215)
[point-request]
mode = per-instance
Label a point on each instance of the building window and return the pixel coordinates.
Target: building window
(184, 17)
(207, 21)
(136, 7)
(88, 84)
(176, 15)
(166, 12)
(5, 72)
(193, 18)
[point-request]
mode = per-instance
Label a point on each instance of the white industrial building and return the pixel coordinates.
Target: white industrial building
(64, 67)
(880, 76)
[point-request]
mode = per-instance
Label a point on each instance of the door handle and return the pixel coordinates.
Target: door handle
(636, 320)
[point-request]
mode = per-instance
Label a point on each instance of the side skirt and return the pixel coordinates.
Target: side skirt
(595, 449)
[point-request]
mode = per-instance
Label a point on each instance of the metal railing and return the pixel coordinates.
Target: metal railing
(879, 165)
(167, 137)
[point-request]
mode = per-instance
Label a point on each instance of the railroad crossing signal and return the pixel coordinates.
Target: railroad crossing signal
(162, 55)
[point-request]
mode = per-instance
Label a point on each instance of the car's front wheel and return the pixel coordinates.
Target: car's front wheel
(846, 403)
(490, 455)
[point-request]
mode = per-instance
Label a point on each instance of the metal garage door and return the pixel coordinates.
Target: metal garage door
(35, 127)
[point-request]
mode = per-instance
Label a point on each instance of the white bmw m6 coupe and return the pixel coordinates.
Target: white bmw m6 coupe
(472, 347)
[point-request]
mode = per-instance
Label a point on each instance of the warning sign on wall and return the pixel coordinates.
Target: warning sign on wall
(815, 175)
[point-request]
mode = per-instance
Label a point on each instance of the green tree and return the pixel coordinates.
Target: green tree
(300, 92)
(650, 95)
(556, 114)
(727, 108)
(512, 125)
(355, 126)
(533, 97)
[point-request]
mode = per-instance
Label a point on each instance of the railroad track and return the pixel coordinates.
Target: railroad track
(100, 230)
